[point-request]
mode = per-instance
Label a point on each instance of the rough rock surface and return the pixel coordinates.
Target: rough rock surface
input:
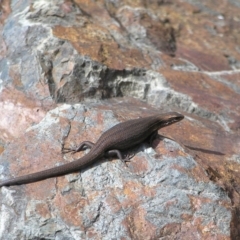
(70, 70)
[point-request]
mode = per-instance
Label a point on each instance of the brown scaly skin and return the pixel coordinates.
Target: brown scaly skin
(120, 137)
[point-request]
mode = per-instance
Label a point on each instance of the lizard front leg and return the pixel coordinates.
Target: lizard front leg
(120, 156)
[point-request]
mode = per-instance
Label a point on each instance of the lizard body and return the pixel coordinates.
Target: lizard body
(120, 137)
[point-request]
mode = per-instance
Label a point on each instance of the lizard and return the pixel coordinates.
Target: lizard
(118, 138)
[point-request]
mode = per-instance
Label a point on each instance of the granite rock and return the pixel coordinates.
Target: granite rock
(69, 70)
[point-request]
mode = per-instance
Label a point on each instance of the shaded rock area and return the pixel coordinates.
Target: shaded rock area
(70, 70)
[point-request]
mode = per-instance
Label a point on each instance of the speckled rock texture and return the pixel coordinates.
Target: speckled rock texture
(70, 70)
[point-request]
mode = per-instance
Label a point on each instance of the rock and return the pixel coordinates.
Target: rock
(69, 70)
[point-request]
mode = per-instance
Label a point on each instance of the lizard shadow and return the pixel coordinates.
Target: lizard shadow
(208, 151)
(205, 150)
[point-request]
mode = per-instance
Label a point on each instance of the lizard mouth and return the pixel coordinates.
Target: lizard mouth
(173, 120)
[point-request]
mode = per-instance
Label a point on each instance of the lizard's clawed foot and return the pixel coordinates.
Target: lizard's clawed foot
(83, 146)
(127, 158)
(69, 150)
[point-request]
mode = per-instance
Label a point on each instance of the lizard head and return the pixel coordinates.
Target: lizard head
(167, 119)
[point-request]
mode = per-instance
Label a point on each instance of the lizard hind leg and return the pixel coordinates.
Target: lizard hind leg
(84, 145)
